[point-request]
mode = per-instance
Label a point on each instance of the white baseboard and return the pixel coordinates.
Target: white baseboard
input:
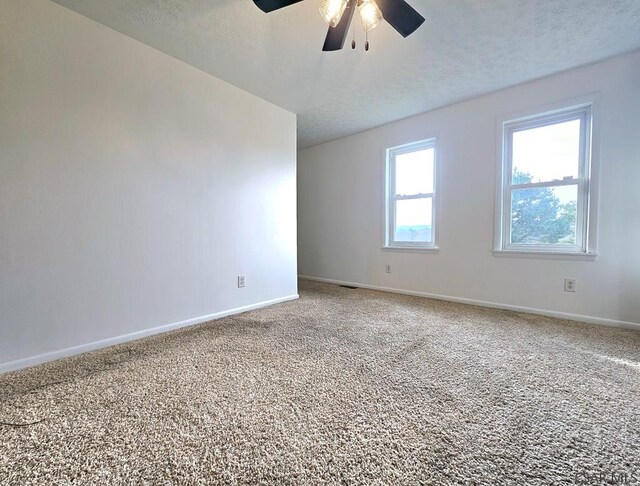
(83, 348)
(482, 303)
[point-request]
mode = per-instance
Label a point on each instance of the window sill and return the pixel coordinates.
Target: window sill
(412, 249)
(546, 255)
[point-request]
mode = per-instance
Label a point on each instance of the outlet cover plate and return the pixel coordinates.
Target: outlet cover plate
(569, 284)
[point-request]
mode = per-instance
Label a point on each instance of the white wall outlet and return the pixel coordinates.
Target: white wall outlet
(240, 281)
(387, 268)
(569, 284)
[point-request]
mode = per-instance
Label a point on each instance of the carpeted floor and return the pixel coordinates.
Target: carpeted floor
(341, 386)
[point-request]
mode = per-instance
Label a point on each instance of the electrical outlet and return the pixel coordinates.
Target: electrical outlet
(240, 281)
(569, 284)
(387, 268)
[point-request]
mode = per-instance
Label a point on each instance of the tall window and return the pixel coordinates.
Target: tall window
(411, 195)
(545, 182)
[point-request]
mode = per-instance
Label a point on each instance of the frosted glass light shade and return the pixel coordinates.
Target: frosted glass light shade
(332, 10)
(370, 14)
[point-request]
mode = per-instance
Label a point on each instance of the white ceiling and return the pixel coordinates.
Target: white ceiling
(464, 49)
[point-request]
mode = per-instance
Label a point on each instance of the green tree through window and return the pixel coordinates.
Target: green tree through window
(538, 215)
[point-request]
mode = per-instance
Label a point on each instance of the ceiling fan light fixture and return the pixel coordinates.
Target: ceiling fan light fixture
(339, 14)
(332, 10)
(370, 14)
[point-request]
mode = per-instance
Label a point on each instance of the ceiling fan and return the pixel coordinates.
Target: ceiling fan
(339, 13)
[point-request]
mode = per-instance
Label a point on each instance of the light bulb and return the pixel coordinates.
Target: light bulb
(370, 14)
(332, 10)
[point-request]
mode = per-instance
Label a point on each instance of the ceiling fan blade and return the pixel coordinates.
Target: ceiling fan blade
(401, 16)
(271, 5)
(337, 35)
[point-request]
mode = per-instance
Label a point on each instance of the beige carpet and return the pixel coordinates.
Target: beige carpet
(341, 386)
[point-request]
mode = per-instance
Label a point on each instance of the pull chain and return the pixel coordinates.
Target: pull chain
(353, 30)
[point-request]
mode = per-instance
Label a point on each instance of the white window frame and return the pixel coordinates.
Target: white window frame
(585, 216)
(391, 197)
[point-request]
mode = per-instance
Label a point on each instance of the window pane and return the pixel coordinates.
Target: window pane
(413, 220)
(544, 215)
(546, 153)
(414, 172)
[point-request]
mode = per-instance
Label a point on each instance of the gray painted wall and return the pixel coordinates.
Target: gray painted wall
(133, 188)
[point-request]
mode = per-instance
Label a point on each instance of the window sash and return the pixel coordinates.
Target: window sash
(582, 113)
(395, 242)
(392, 197)
(413, 196)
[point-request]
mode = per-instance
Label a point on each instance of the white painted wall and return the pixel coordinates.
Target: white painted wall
(341, 203)
(133, 188)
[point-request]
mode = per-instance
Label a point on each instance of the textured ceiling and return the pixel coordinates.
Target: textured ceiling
(464, 49)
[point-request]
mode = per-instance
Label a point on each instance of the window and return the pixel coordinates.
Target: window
(411, 195)
(545, 182)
